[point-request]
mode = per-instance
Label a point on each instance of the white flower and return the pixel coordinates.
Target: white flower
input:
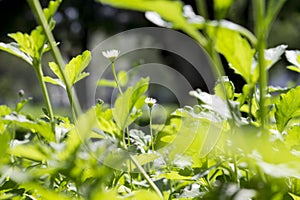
(150, 101)
(111, 54)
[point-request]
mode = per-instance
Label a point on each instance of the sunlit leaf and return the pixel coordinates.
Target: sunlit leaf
(282, 170)
(105, 121)
(295, 197)
(107, 83)
(20, 105)
(292, 138)
(294, 68)
(14, 49)
(41, 192)
(293, 56)
(272, 55)
(4, 110)
(229, 88)
(52, 8)
(287, 108)
(146, 158)
(174, 175)
(54, 81)
(173, 16)
(129, 102)
(40, 127)
(74, 69)
(55, 69)
(31, 152)
(236, 50)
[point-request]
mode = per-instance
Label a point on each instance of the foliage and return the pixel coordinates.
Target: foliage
(221, 148)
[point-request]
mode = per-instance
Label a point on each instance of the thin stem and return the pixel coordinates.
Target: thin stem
(202, 8)
(116, 78)
(260, 29)
(148, 179)
(236, 175)
(39, 72)
(151, 132)
(37, 9)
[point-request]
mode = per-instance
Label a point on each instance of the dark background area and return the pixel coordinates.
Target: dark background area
(78, 20)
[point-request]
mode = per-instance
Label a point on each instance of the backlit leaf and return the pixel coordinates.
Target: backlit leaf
(74, 69)
(287, 108)
(174, 15)
(31, 152)
(14, 49)
(293, 56)
(129, 102)
(236, 50)
(40, 127)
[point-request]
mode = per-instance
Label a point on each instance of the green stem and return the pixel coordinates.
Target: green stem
(202, 8)
(148, 179)
(116, 78)
(260, 29)
(236, 175)
(37, 9)
(39, 72)
(151, 132)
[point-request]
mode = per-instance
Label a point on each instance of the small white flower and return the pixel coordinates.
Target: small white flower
(111, 54)
(150, 101)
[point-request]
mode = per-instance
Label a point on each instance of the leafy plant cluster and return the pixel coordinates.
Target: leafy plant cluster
(229, 146)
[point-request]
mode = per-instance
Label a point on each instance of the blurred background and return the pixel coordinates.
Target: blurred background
(81, 24)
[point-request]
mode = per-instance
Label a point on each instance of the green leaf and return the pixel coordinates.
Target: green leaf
(32, 44)
(54, 81)
(105, 121)
(77, 136)
(293, 56)
(40, 192)
(52, 8)
(272, 55)
(4, 110)
(236, 50)
(174, 175)
(281, 170)
(14, 49)
(173, 14)
(75, 67)
(31, 47)
(146, 158)
(55, 69)
(213, 103)
(123, 78)
(20, 105)
(294, 68)
(4, 142)
(197, 135)
(292, 138)
(41, 127)
(127, 105)
(295, 197)
(73, 70)
(107, 83)
(233, 27)
(229, 88)
(31, 152)
(287, 108)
